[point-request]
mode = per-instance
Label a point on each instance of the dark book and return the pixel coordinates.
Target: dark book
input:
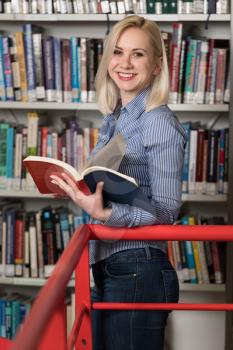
(212, 162)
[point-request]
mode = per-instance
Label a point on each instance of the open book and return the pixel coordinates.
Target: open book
(103, 166)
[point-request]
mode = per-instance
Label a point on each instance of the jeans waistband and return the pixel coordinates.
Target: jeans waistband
(137, 253)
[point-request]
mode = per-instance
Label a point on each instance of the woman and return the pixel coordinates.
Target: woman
(132, 91)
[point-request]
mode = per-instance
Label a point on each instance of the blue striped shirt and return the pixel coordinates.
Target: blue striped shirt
(154, 157)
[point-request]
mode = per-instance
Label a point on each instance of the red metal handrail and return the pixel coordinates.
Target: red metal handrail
(47, 318)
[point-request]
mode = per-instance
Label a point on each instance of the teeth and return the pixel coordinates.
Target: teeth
(126, 75)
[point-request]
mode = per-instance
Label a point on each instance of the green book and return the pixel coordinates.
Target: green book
(164, 6)
(172, 6)
(150, 6)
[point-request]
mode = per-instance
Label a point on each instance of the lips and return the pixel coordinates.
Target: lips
(126, 76)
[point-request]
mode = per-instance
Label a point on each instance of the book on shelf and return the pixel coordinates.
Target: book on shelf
(103, 166)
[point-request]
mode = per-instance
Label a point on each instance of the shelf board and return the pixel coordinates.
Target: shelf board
(191, 287)
(29, 282)
(112, 17)
(185, 197)
(93, 106)
(203, 198)
(24, 194)
(39, 282)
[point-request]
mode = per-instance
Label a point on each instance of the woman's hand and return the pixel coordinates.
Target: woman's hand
(93, 204)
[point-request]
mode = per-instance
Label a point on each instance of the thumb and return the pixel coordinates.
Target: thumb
(99, 187)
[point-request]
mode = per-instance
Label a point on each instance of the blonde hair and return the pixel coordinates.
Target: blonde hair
(107, 93)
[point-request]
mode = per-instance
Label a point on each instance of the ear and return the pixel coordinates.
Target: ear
(157, 70)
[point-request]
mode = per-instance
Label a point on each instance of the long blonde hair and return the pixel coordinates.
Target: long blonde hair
(107, 93)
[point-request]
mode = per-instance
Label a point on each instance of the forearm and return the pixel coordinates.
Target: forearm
(127, 216)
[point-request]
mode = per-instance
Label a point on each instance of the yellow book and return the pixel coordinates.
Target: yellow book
(192, 221)
(22, 65)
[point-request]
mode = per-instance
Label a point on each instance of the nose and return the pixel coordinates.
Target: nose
(126, 60)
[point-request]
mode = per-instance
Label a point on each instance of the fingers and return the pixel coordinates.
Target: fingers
(99, 187)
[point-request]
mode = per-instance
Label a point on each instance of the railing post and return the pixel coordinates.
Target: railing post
(83, 298)
(55, 335)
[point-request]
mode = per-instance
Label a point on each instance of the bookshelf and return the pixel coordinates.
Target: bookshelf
(88, 24)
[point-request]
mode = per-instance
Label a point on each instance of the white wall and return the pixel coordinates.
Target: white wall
(197, 330)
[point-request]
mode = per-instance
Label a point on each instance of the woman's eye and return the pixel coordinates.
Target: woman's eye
(137, 54)
(117, 52)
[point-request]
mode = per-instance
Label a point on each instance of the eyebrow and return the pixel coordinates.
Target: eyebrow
(139, 48)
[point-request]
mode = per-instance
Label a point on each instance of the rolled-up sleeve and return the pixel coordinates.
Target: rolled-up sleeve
(164, 142)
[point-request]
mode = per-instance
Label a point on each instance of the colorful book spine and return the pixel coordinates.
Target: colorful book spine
(57, 68)
(30, 64)
(22, 65)
(49, 71)
(2, 76)
(7, 70)
(74, 69)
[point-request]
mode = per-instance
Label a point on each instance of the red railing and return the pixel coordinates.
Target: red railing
(45, 326)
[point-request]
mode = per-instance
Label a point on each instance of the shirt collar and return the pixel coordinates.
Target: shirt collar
(134, 108)
(137, 106)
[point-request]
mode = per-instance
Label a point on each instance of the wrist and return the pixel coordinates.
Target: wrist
(106, 213)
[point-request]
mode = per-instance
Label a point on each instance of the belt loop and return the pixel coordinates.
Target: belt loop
(148, 253)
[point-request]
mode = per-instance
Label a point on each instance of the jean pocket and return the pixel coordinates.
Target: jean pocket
(171, 286)
(121, 270)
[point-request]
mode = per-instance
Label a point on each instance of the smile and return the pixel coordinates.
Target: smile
(126, 76)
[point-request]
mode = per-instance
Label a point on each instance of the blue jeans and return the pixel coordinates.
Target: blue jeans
(134, 275)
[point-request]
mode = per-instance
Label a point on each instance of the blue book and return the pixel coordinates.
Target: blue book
(8, 319)
(74, 69)
(30, 64)
(2, 75)
(189, 254)
(49, 69)
(15, 316)
(2, 318)
(10, 157)
(8, 70)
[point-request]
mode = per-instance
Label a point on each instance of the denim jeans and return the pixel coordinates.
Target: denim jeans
(134, 275)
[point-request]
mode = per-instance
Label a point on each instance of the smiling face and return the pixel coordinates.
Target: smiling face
(132, 66)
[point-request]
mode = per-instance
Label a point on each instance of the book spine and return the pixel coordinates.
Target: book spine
(39, 244)
(74, 69)
(2, 76)
(30, 64)
(226, 161)
(175, 61)
(220, 75)
(57, 68)
(192, 161)
(91, 70)
(18, 160)
(83, 64)
(66, 70)
(7, 70)
(9, 157)
(39, 73)
(200, 160)
(19, 244)
(15, 69)
(202, 75)
(221, 157)
(10, 224)
(50, 90)
(211, 176)
(22, 65)
(189, 74)
(33, 246)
